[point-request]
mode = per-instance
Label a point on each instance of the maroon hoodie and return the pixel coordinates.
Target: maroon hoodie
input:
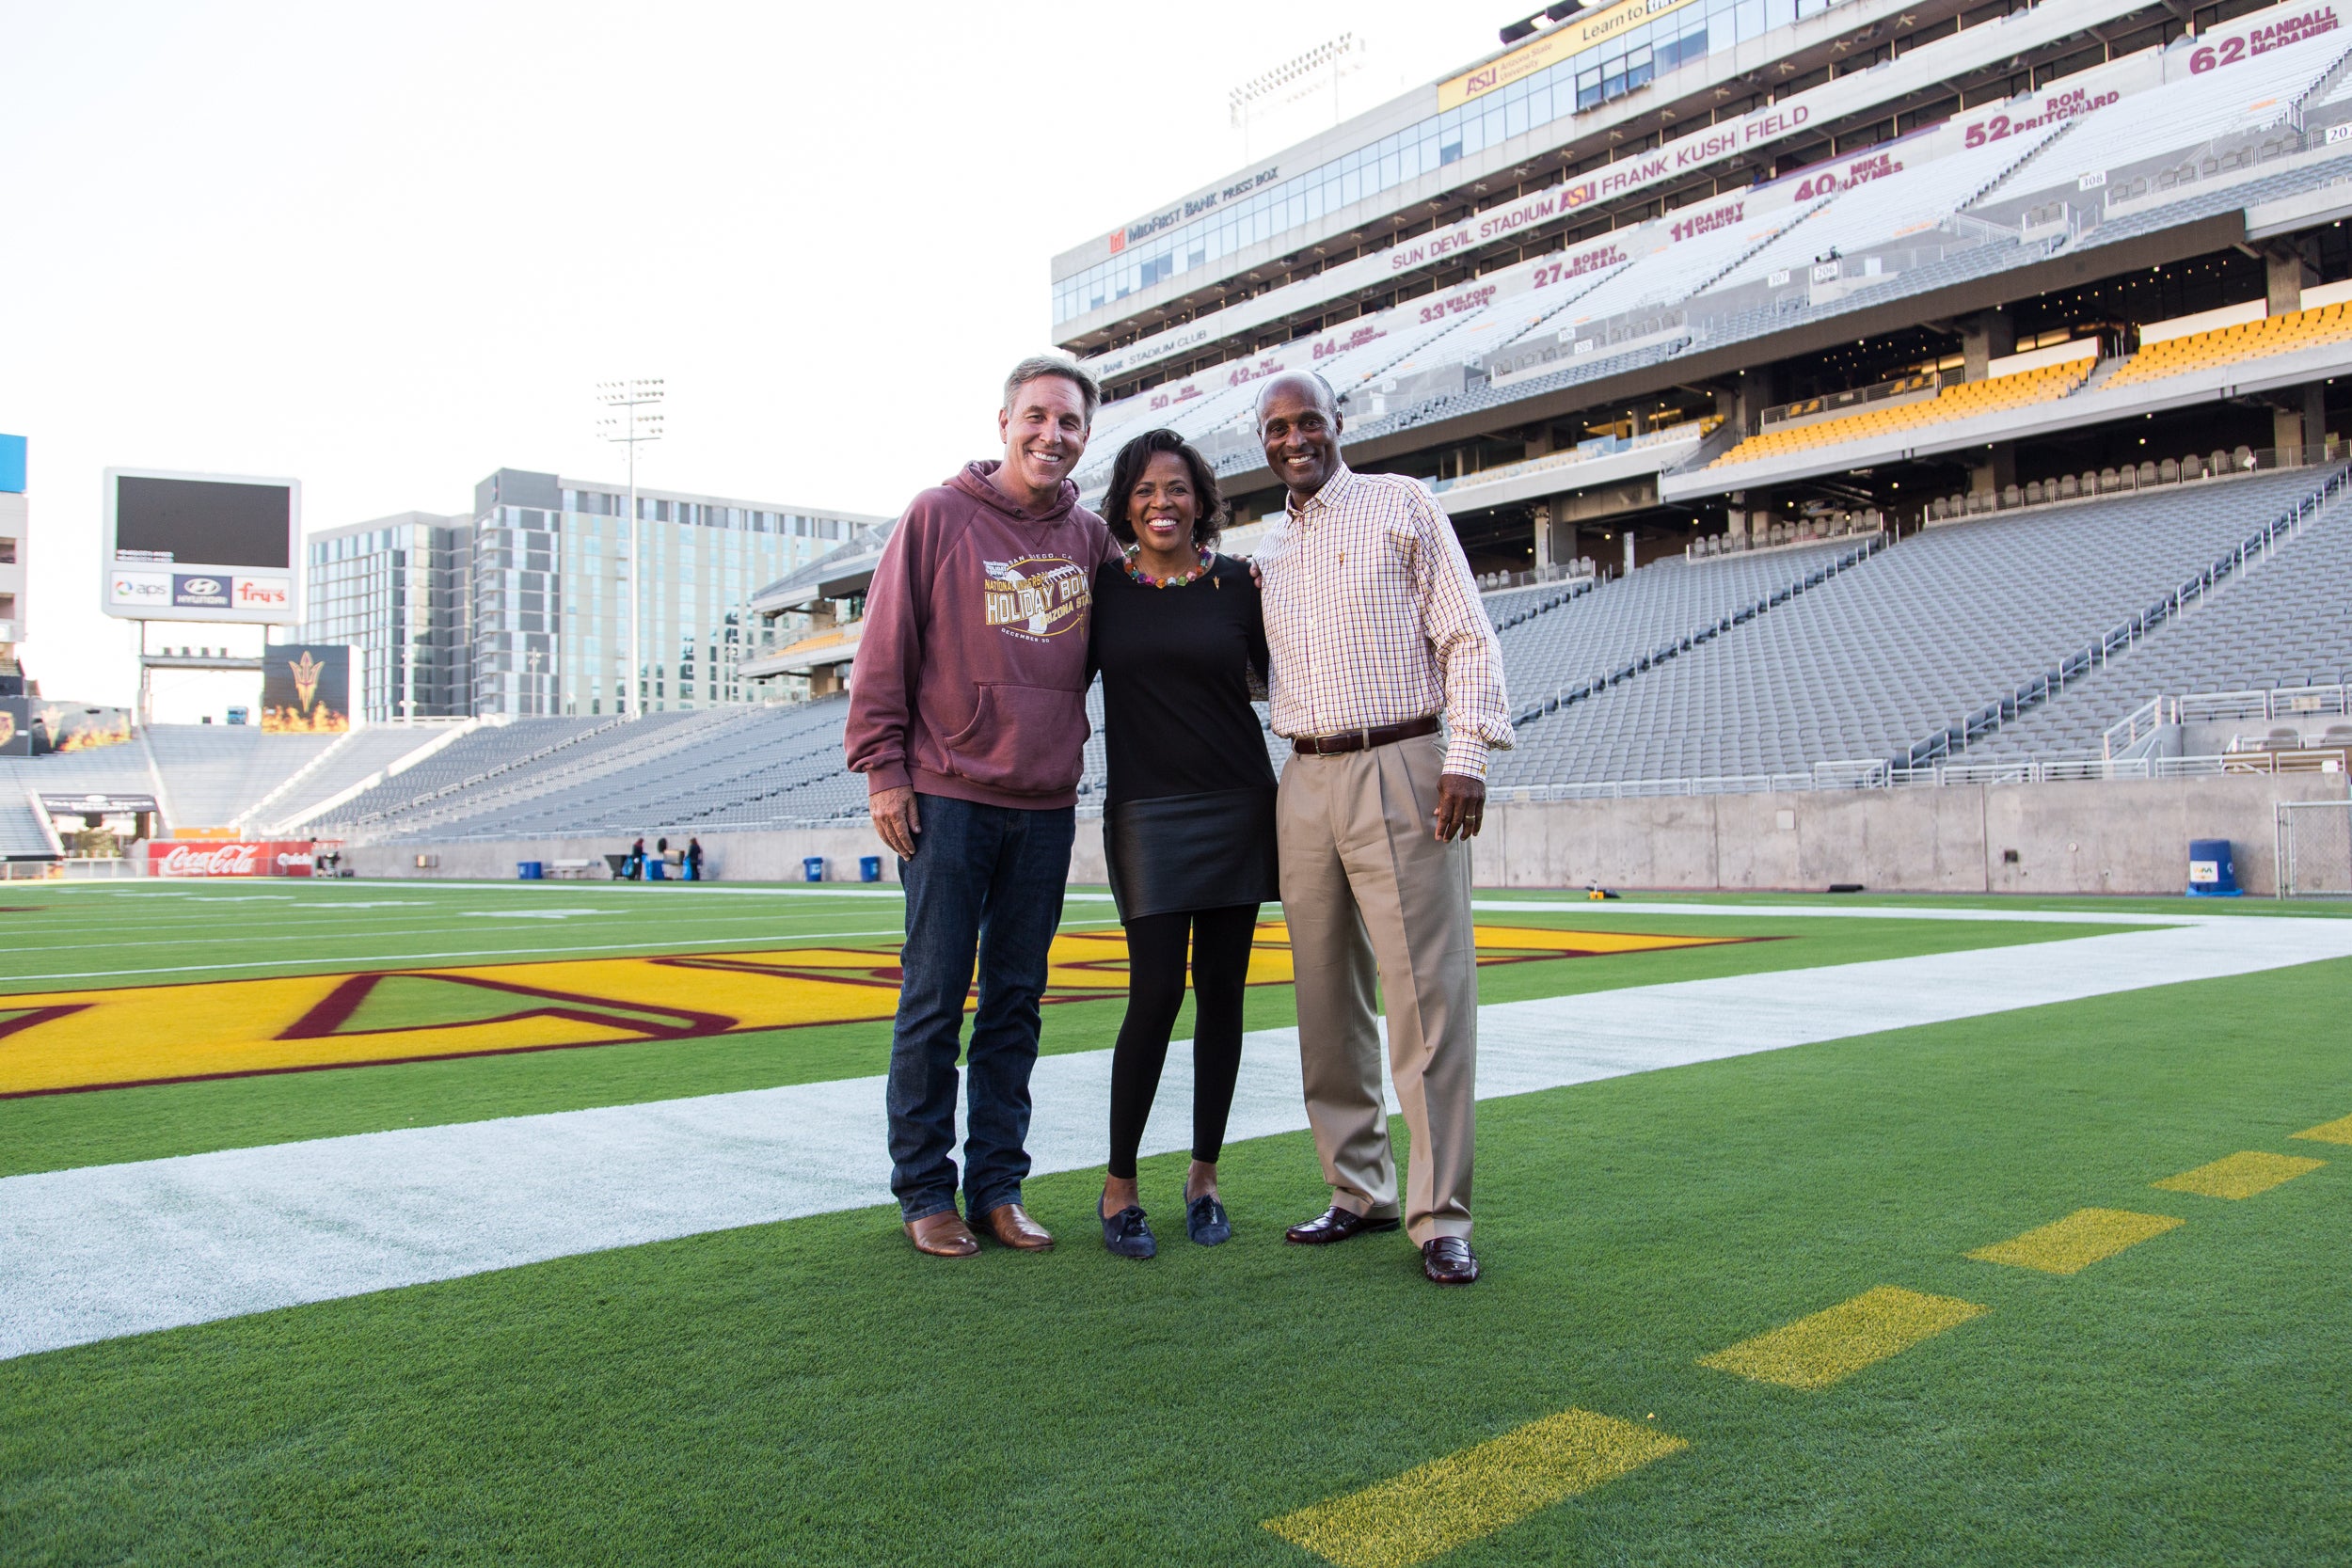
(971, 675)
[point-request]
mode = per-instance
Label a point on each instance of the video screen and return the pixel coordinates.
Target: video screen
(210, 522)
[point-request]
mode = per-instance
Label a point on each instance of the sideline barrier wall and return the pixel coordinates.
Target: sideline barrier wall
(2087, 838)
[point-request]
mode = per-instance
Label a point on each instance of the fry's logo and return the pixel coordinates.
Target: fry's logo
(1041, 595)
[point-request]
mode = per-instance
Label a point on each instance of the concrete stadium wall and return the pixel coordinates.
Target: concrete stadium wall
(2068, 838)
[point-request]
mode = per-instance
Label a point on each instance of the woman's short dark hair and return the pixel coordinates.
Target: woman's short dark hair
(1127, 472)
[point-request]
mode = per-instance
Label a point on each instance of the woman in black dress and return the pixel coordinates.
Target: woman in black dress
(1189, 825)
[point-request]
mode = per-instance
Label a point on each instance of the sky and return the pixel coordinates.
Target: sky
(386, 250)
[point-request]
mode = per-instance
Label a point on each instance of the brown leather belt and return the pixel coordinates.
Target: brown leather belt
(1364, 741)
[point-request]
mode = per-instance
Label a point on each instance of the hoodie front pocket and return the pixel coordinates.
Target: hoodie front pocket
(1023, 740)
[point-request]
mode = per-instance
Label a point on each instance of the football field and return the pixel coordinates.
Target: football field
(550, 1223)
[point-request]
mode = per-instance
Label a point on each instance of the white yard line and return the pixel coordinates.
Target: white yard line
(110, 1250)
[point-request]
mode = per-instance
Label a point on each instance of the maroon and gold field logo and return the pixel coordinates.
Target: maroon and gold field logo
(58, 1042)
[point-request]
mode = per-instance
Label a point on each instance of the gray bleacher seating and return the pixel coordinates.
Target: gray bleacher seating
(352, 758)
(473, 757)
(727, 767)
(1866, 663)
(1623, 623)
(2142, 127)
(19, 828)
(214, 773)
(2285, 621)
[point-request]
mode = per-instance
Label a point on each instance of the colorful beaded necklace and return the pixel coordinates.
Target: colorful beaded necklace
(1190, 574)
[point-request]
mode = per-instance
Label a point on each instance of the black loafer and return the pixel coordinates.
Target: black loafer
(1448, 1260)
(1335, 1223)
(1126, 1234)
(1205, 1221)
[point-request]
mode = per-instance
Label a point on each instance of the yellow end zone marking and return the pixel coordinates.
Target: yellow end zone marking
(1816, 1352)
(1449, 1502)
(2076, 1242)
(2337, 1131)
(2240, 1175)
(61, 1041)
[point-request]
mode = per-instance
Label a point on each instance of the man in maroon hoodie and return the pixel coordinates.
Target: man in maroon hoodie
(967, 715)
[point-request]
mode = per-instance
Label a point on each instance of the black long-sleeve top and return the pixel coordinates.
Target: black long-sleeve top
(1176, 664)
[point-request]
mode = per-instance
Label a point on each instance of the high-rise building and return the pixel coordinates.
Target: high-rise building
(396, 588)
(521, 607)
(12, 532)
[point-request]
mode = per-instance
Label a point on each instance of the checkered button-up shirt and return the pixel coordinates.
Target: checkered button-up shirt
(1372, 619)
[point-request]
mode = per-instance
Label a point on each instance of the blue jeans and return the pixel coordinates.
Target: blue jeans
(985, 880)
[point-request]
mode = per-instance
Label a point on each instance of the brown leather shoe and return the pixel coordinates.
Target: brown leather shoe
(1335, 1223)
(943, 1235)
(1010, 1225)
(1448, 1260)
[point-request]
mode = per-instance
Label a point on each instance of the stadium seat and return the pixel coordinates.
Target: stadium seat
(1953, 401)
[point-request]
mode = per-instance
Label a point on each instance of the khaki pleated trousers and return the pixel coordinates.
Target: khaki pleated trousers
(1369, 895)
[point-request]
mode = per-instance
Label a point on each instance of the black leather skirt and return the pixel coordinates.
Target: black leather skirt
(1186, 853)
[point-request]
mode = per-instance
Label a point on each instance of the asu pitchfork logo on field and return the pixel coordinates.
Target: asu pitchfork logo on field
(1039, 595)
(59, 1042)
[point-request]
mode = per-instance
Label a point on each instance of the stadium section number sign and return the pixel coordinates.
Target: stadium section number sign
(201, 548)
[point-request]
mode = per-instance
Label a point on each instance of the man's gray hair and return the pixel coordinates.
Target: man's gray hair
(1330, 396)
(1039, 366)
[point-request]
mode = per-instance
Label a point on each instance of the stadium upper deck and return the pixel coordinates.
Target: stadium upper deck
(1618, 113)
(1971, 271)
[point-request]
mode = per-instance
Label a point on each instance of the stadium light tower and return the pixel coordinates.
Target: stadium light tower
(627, 422)
(1294, 81)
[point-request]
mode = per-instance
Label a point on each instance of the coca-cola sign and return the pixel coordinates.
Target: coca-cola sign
(278, 857)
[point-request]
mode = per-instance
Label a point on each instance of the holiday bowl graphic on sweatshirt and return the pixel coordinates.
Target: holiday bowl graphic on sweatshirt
(1043, 595)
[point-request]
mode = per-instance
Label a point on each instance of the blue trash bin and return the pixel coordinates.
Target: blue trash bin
(870, 868)
(656, 869)
(813, 869)
(2212, 873)
(529, 871)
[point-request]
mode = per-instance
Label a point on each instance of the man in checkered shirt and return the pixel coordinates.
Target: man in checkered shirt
(1388, 682)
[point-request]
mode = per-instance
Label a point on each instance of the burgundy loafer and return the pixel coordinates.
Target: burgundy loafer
(1335, 1223)
(1448, 1260)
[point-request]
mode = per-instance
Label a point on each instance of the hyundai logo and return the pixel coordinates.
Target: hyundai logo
(200, 585)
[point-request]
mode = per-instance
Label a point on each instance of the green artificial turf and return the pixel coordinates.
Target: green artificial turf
(811, 1392)
(62, 1131)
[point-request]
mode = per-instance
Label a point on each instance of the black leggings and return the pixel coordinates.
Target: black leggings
(1155, 991)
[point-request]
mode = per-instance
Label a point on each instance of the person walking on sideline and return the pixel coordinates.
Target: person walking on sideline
(1375, 632)
(693, 859)
(1188, 823)
(968, 719)
(637, 861)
